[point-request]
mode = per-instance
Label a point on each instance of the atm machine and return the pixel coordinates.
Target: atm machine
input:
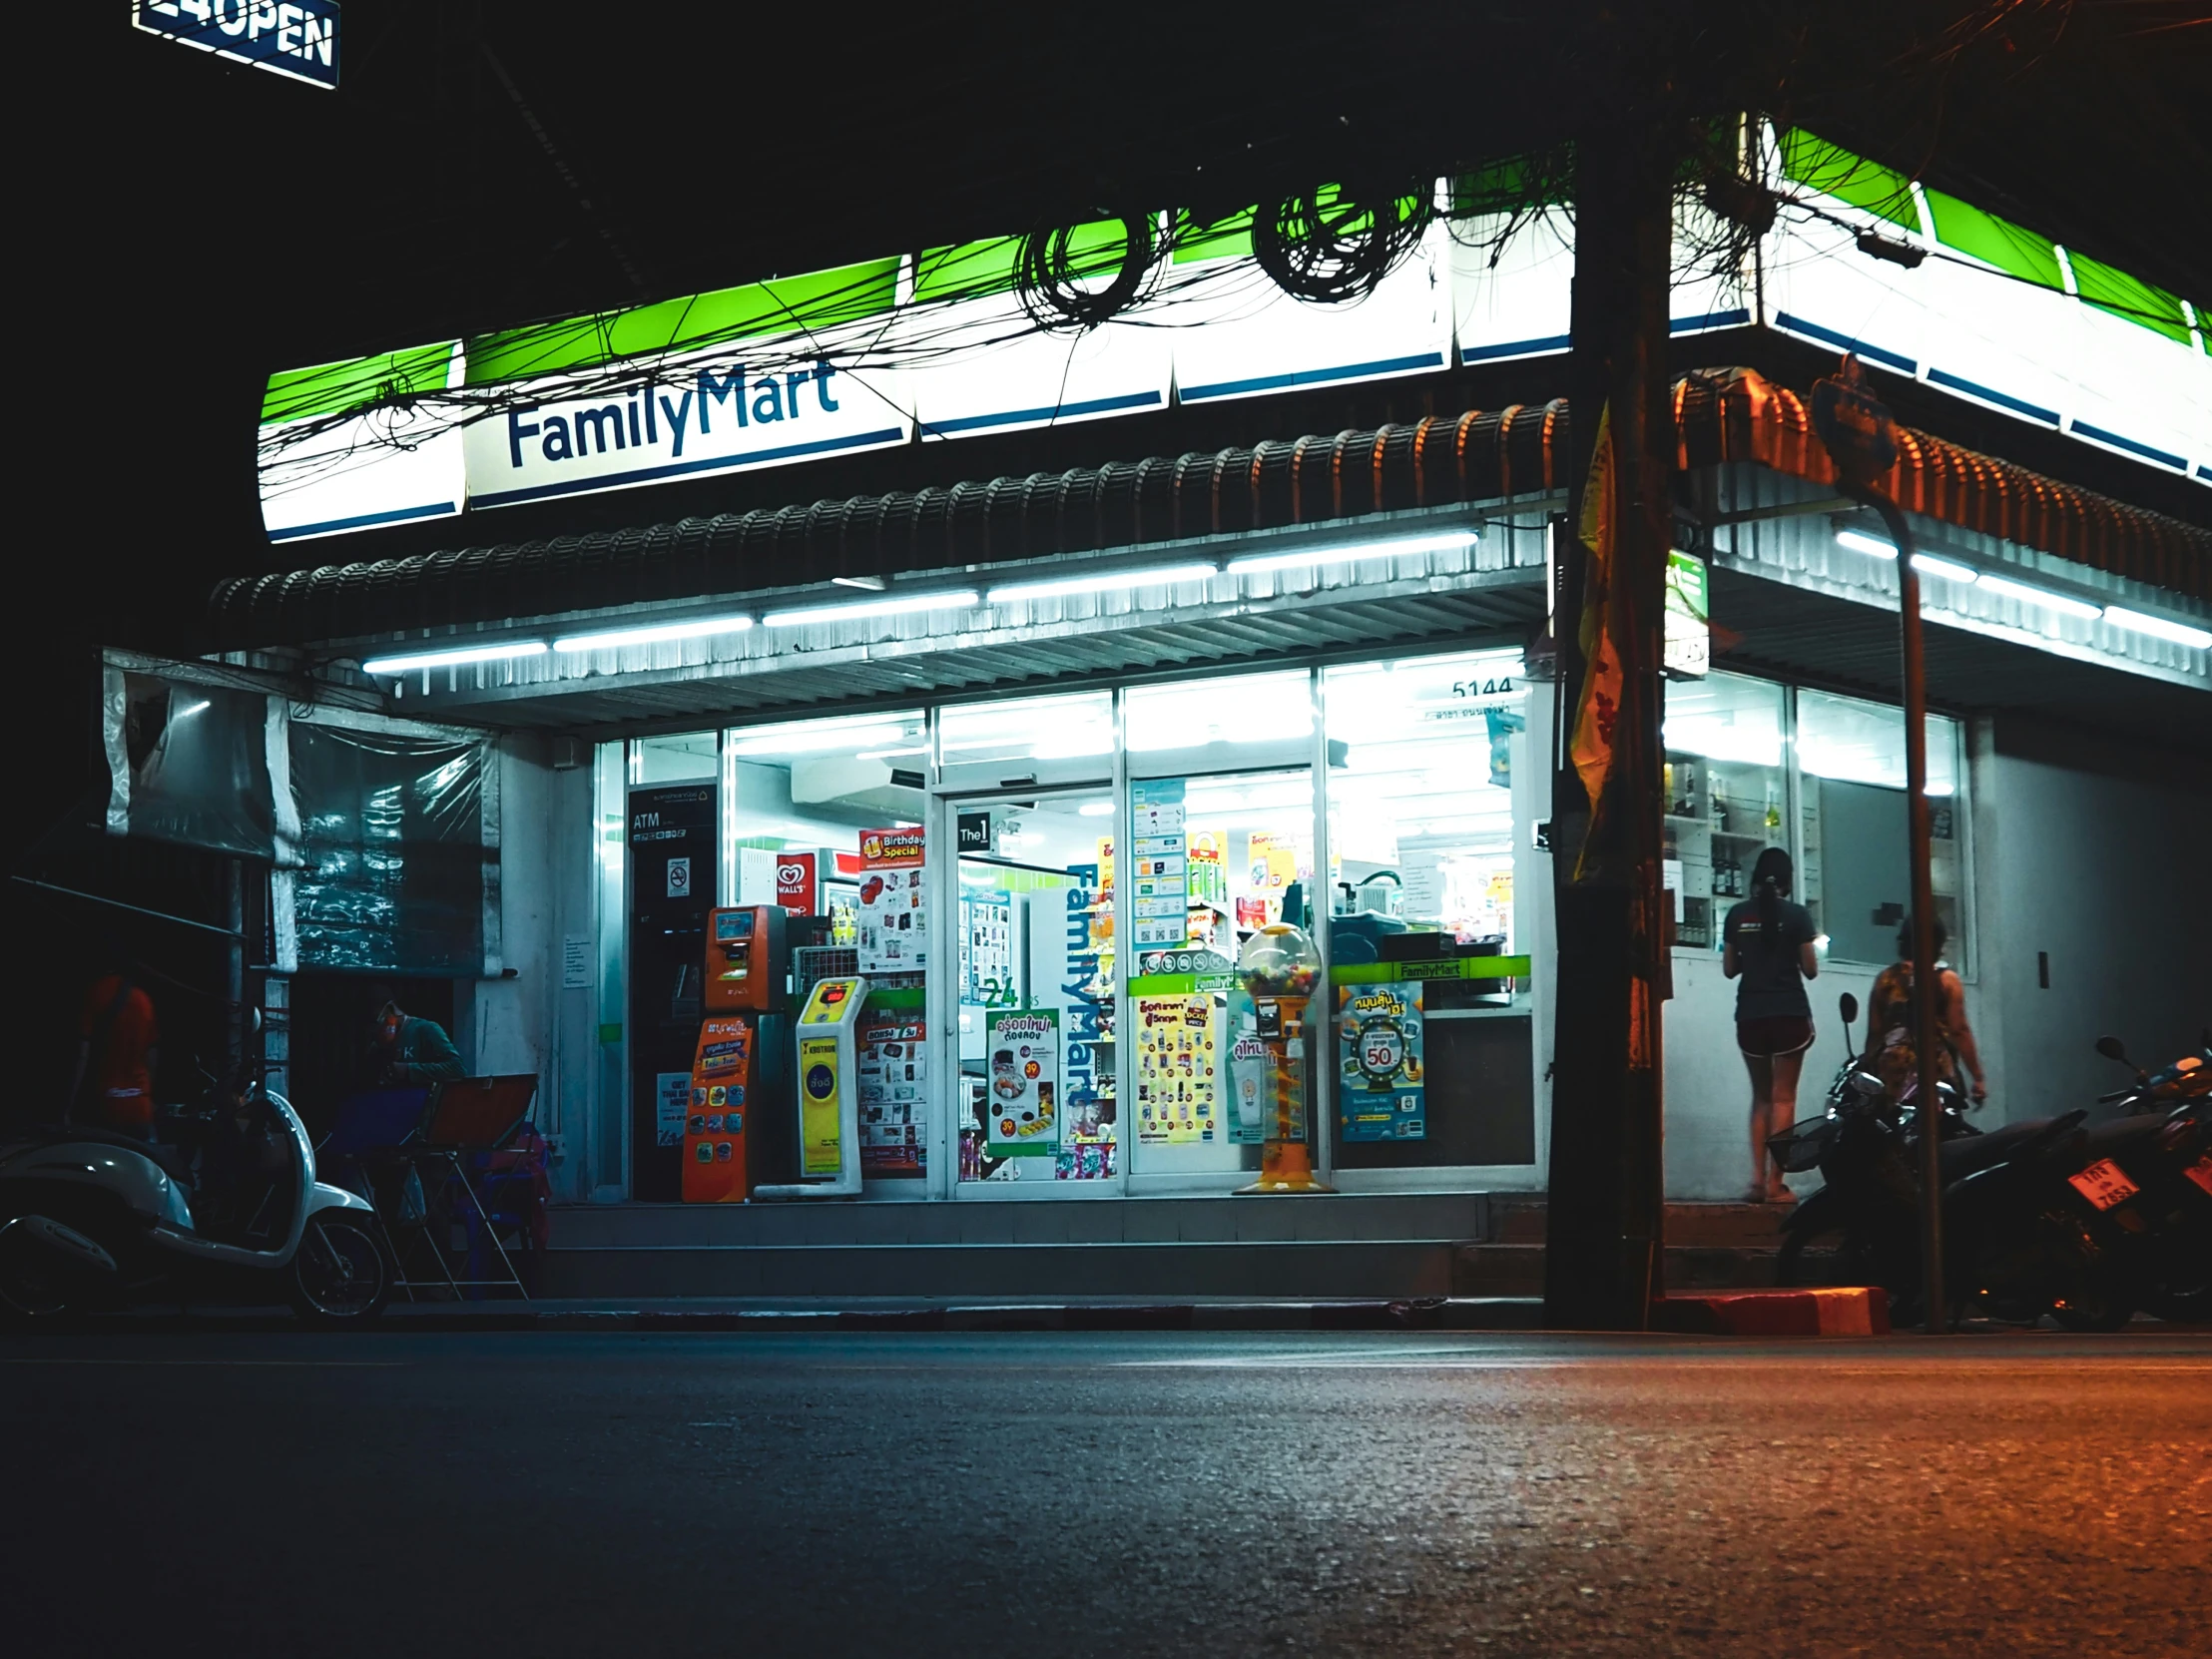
(829, 1114)
(738, 1128)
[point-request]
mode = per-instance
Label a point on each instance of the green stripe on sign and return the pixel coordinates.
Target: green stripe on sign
(1180, 984)
(1447, 967)
(785, 305)
(2124, 295)
(355, 383)
(2010, 248)
(1837, 171)
(1226, 238)
(971, 269)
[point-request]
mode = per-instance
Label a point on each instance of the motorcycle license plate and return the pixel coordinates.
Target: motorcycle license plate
(2201, 1172)
(2103, 1184)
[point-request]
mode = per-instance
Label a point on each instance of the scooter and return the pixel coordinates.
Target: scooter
(94, 1219)
(2009, 1252)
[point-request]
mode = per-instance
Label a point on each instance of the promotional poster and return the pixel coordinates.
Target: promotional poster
(893, 902)
(1178, 1077)
(1023, 1079)
(893, 1078)
(1379, 1074)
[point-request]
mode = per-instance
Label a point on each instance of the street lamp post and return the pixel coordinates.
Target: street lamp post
(1857, 429)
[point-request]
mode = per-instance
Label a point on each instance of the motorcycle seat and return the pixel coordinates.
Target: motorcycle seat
(2122, 1135)
(1970, 1154)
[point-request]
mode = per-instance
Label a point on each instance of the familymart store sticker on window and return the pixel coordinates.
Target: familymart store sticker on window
(1021, 1098)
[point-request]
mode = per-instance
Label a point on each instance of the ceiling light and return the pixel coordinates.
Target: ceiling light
(1320, 553)
(1110, 581)
(2006, 587)
(453, 659)
(1860, 542)
(614, 638)
(188, 713)
(900, 605)
(2158, 627)
(867, 584)
(1929, 565)
(1096, 809)
(805, 741)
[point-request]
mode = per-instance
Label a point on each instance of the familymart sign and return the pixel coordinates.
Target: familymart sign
(297, 39)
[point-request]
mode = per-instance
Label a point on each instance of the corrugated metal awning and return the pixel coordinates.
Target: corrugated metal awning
(1501, 455)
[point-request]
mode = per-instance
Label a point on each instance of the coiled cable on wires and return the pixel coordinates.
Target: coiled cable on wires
(1334, 244)
(1056, 279)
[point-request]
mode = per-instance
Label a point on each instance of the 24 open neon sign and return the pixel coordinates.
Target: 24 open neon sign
(297, 38)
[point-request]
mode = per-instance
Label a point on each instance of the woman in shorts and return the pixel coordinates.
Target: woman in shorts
(1769, 952)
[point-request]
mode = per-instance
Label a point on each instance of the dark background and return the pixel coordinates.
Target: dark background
(185, 225)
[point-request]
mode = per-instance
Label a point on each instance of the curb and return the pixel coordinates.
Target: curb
(1835, 1311)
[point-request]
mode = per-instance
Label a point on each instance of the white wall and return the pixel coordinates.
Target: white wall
(531, 1022)
(2111, 878)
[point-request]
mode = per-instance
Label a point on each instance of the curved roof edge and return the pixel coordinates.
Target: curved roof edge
(1521, 450)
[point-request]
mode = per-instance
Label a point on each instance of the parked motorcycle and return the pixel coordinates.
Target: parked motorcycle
(2150, 1182)
(2013, 1249)
(94, 1219)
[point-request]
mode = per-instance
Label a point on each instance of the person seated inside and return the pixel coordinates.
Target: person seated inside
(112, 1085)
(411, 1053)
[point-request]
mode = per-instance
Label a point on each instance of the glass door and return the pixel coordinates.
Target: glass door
(1032, 1012)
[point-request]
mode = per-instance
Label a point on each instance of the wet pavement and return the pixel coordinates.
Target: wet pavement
(1046, 1494)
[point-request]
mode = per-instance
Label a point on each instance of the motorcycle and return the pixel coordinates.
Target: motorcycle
(2150, 1182)
(93, 1219)
(2012, 1251)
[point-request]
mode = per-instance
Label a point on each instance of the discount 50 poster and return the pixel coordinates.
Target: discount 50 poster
(1382, 1090)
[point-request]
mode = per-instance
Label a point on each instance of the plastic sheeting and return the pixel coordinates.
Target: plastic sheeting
(399, 872)
(189, 764)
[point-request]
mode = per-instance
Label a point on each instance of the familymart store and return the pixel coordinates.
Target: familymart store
(1038, 757)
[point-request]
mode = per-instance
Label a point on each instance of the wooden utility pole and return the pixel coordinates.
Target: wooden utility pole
(1603, 1243)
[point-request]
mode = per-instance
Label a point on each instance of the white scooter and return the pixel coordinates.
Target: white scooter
(94, 1219)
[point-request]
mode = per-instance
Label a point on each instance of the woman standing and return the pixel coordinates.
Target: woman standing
(1893, 1054)
(1769, 947)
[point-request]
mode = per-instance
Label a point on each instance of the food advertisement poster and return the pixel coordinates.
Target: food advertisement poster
(893, 1077)
(894, 901)
(1381, 1075)
(1021, 1053)
(1178, 1072)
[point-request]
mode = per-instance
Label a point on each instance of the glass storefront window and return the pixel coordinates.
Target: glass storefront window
(825, 818)
(1028, 729)
(1221, 800)
(1855, 876)
(1423, 758)
(1727, 789)
(673, 759)
(1035, 1092)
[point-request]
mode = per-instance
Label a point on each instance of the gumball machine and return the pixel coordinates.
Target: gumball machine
(1279, 970)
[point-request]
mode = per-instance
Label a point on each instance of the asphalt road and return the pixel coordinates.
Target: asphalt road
(1040, 1495)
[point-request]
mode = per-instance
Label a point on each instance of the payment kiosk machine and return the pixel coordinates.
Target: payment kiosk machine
(827, 1076)
(739, 1101)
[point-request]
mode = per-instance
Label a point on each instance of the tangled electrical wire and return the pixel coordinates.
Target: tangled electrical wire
(1054, 274)
(1331, 245)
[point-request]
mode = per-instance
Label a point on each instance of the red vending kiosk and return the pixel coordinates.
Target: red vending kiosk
(732, 1138)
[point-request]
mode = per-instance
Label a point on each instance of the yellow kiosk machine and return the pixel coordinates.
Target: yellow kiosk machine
(827, 1080)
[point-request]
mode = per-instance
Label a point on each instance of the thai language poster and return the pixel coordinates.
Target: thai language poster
(1021, 1070)
(1380, 1078)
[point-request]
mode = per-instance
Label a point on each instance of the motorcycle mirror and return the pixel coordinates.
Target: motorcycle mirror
(1848, 1006)
(1865, 1083)
(2112, 1049)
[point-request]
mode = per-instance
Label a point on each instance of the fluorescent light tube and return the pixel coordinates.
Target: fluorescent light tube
(2158, 627)
(451, 659)
(1860, 542)
(2006, 587)
(1322, 553)
(1929, 565)
(1096, 809)
(1112, 581)
(803, 742)
(897, 605)
(615, 638)
(188, 713)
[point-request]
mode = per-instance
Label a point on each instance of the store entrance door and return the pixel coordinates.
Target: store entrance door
(1033, 1004)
